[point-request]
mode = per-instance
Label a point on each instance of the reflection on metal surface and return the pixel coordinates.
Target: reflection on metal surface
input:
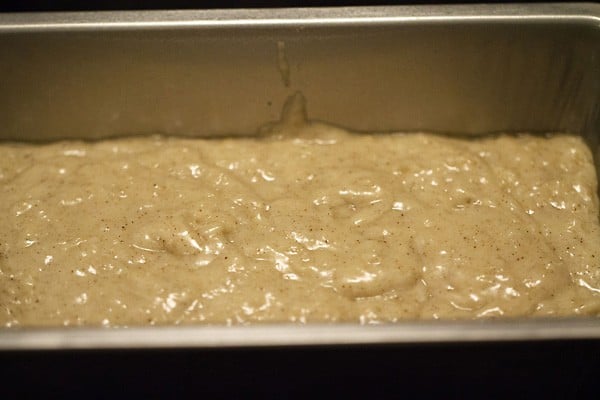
(378, 15)
(296, 335)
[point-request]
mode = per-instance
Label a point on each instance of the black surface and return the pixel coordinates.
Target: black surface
(561, 369)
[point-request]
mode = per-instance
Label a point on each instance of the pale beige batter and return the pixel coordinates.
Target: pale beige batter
(309, 224)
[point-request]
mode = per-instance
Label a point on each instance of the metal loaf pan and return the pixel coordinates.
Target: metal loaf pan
(451, 69)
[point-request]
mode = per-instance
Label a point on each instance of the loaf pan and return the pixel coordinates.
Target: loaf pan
(466, 70)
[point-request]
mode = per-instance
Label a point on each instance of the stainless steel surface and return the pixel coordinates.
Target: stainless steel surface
(453, 69)
(470, 69)
(285, 335)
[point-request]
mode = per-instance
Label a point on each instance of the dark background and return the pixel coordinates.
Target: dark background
(507, 371)
(73, 5)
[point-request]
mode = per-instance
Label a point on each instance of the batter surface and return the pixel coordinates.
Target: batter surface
(309, 223)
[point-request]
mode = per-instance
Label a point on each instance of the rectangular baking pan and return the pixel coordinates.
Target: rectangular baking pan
(451, 69)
